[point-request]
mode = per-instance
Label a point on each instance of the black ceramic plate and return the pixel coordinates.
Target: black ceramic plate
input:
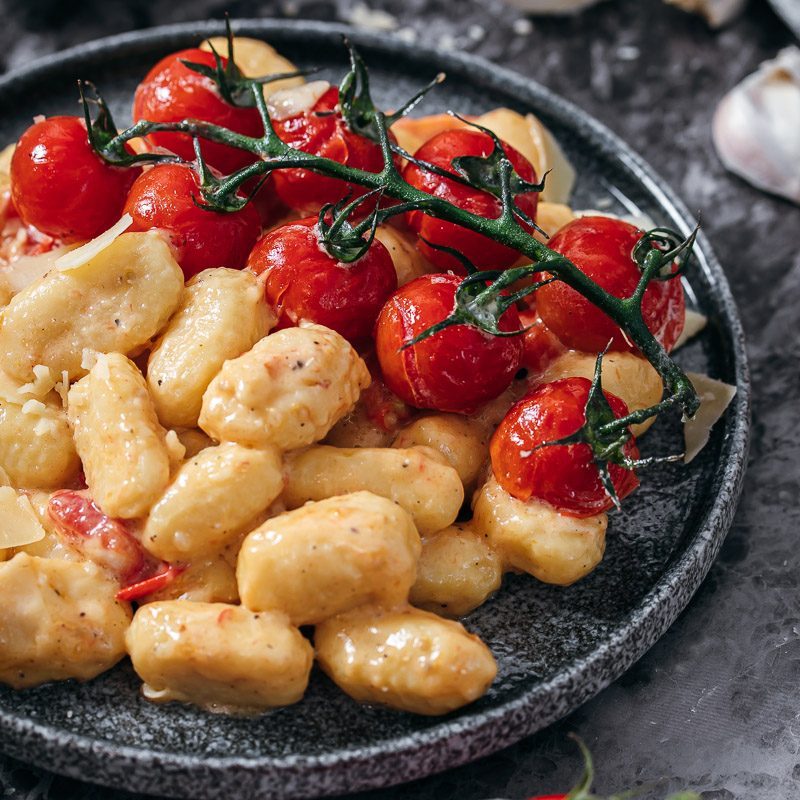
(555, 647)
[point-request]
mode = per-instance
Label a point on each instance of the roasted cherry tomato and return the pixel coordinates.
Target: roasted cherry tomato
(563, 475)
(102, 539)
(110, 544)
(540, 346)
(302, 281)
(483, 252)
(172, 92)
(602, 247)
(457, 369)
(322, 131)
(166, 197)
(60, 186)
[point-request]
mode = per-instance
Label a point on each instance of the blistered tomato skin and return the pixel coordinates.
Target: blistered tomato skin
(563, 475)
(102, 539)
(457, 369)
(602, 248)
(483, 252)
(301, 281)
(61, 186)
(322, 131)
(164, 197)
(172, 92)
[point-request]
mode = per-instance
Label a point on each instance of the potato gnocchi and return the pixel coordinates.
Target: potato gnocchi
(221, 428)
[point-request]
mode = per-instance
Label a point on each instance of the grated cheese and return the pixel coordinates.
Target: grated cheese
(34, 407)
(88, 358)
(19, 524)
(42, 383)
(86, 252)
(715, 397)
(45, 426)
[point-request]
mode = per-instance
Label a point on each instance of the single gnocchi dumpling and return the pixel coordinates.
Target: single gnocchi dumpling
(459, 439)
(116, 302)
(406, 659)
(222, 314)
(221, 657)
(64, 621)
(209, 580)
(118, 437)
(288, 390)
(534, 537)
(36, 446)
(418, 480)
(212, 499)
(328, 557)
(457, 572)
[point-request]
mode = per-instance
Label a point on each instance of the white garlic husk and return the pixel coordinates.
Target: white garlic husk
(552, 6)
(756, 126)
(716, 12)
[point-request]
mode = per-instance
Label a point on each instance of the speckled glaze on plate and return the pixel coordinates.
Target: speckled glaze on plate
(555, 647)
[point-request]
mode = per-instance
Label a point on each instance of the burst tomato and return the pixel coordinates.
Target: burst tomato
(563, 475)
(602, 247)
(102, 539)
(457, 369)
(110, 544)
(322, 131)
(540, 346)
(60, 186)
(302, 281)
(172, 92)
(165, 198)
(483, 252)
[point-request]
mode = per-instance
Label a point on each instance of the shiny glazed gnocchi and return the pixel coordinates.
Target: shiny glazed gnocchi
(201, 452)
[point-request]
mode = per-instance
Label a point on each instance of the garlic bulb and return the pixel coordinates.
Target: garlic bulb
(716, 12)
(757, 126)
(552, 6)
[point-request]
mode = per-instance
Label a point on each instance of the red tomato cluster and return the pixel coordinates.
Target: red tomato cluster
(63, 189)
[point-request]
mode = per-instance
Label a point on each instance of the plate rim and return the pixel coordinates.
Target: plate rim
(465, 737)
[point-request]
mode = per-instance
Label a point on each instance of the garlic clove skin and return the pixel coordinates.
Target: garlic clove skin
(716, 12)
(756, 126)
(554, 7)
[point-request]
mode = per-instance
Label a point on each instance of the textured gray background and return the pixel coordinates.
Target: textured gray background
(715, 706)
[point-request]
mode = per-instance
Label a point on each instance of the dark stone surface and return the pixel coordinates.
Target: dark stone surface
(714, 706)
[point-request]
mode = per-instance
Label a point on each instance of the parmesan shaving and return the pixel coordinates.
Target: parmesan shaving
(33, 407)
(694, 323)
(175, 448)
(287, 103)
(42, 384)
(88, 358)
(85, 253)
(100, 368)
(62, 387)
(45, 426)
(715, 397)
(23, 271)
(18, 522)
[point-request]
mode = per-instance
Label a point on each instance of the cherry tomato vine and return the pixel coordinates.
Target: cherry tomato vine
(483, 297)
